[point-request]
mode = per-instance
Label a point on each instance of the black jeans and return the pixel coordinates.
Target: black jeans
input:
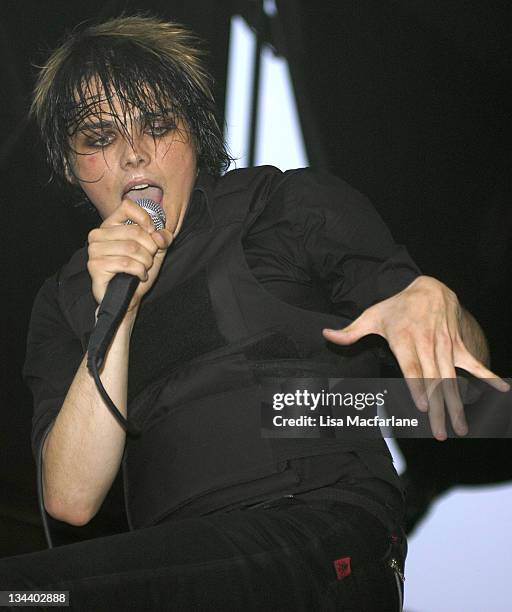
(284, 555)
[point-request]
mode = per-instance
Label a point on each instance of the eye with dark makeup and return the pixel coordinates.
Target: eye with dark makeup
(158, 124)
(98, 139)
(101, 134)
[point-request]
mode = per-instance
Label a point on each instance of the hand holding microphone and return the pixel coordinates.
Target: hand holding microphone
(127, 241)
(125, 256)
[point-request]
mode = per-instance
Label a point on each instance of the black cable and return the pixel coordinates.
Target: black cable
(125, 424)
(93, 364)
(113, 306)
(40, 497)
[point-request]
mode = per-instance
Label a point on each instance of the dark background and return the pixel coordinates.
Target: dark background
(408, 100)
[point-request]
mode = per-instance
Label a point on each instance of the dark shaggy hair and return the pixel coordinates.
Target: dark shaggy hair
(150, 65)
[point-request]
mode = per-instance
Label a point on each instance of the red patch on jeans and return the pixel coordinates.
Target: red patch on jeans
(342, 567)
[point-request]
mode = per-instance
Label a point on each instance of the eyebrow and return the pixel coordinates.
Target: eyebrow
(156, 114)
(92, 124)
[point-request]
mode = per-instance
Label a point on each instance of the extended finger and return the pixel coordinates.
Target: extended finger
(465, 360)
(449, 385)
(364, 325)
(432, 378)
(410, 366)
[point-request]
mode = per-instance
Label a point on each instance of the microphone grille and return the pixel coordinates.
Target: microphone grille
(154, 210)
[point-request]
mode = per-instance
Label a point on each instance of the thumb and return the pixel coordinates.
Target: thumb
(350, 334)
(163, 238)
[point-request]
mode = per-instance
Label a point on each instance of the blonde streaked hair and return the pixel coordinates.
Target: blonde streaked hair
(149, 65)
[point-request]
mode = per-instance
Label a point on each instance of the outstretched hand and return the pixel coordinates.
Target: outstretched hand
(422, 325)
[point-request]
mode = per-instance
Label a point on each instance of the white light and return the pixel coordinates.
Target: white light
(238, 101)
(270, 8)
(279, 139)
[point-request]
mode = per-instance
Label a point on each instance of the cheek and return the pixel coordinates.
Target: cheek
(182, 162)
(90, 166)
(92, 178)
(178, 151)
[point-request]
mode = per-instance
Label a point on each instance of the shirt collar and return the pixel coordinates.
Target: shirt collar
(199, 214)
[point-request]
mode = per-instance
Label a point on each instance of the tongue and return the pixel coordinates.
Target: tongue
(151, 193)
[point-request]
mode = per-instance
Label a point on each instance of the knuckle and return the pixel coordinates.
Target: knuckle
(132, 247)
(426, 345)
(140, 271)
(92, 235)
(151, 246)
(125, 262)
(426, 337)
(92, 249)
(449, 294)
(141, 234)
(92, 267)
(412, 370)
(444, 339)
(400, 338)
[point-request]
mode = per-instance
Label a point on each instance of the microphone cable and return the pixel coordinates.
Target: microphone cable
(112, 309)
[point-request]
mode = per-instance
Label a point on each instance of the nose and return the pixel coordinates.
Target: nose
(136, 153)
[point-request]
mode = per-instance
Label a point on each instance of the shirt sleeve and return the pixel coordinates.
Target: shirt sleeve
(52, 358)
(345, 242)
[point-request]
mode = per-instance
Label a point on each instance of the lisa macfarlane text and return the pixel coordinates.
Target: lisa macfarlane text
(348, 421)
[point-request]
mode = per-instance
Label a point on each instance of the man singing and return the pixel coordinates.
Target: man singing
(256, 273)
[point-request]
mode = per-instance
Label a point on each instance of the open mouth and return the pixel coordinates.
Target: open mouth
(145, 190)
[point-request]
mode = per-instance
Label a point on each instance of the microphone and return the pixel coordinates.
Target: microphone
(117, 297)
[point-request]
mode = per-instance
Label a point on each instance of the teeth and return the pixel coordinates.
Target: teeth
(142, 186)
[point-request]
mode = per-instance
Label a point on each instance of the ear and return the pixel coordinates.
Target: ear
(68, 173)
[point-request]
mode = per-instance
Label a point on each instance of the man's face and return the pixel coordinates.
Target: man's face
(117, 156)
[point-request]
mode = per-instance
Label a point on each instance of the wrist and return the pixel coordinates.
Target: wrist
(128, 321)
